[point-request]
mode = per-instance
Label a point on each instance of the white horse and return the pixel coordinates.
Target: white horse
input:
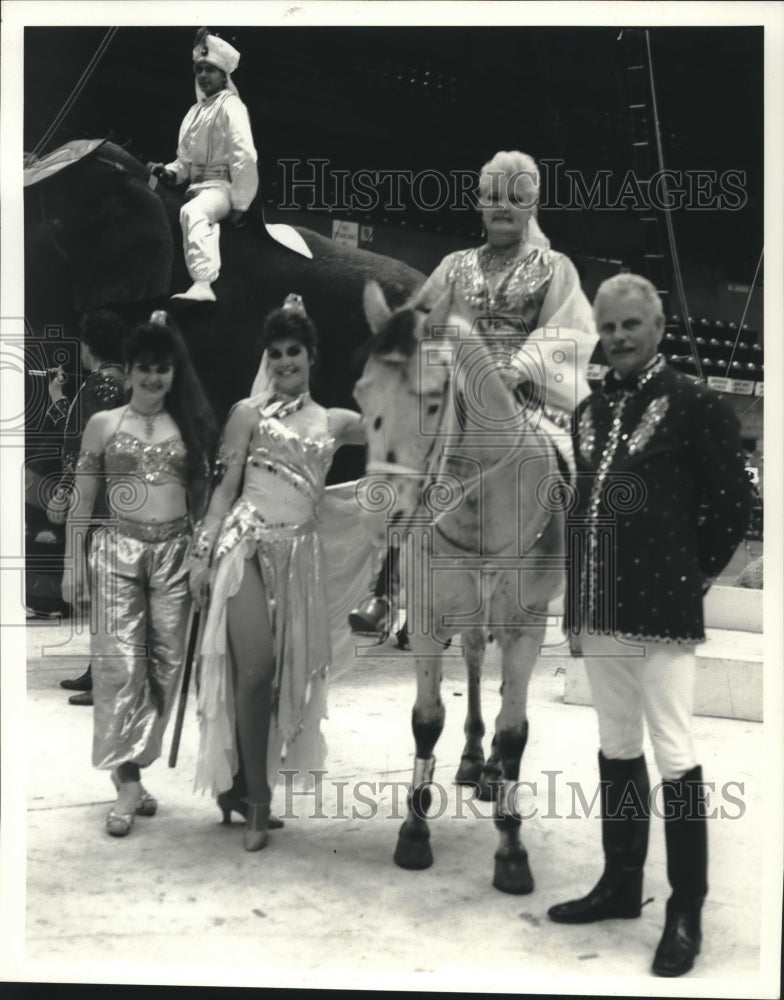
(469, 484)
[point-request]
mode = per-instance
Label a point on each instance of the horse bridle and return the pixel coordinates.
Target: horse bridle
(434, 467)
(398, 468)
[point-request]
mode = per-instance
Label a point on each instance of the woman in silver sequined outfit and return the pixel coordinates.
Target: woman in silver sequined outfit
(526, 297)
(266, 647)
(528, 306)
(153, 456)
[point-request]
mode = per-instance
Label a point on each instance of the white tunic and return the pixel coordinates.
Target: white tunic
(215, 149)
(541, 290)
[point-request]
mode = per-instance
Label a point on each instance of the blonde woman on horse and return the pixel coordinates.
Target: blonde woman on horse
(525, 296)
(526, 302)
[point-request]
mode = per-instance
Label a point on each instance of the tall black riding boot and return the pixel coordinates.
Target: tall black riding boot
(625, 825)
(686, 836)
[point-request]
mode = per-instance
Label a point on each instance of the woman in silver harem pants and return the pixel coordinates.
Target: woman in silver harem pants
(154, 456)
(139, 639)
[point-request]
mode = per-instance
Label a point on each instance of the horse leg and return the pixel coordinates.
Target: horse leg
(427, 720)
(473, 758)
(519, 652)
(491, 773)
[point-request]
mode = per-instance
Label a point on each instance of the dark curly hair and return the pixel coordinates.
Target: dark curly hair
(290, 323)
(159, 341)
(103, 331)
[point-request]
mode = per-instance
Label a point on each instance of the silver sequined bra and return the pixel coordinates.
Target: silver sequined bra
(162, 462)
(518, 296)
(285, 473)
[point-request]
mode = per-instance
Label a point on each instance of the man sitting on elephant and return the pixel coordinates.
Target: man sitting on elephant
(217, 158)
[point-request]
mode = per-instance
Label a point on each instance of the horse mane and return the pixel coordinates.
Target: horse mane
(398, 334)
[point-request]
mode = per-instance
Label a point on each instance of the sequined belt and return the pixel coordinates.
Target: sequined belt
(202, 172)
(288, 530)
(245, 521)
(154, 531)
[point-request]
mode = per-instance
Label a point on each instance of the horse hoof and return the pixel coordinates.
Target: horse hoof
(469, 772)
(413, 853)
(513, 875)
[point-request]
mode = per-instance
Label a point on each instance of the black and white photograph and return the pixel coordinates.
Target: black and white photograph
(392, 556)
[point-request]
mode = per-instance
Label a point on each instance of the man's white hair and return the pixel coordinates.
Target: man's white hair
(627, 284)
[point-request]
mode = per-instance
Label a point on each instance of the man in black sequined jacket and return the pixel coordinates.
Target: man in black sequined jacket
(662, 502)
(101, 335)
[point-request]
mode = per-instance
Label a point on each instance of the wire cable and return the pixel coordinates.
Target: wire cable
(668, 216)
(745, 310)
(74, 95)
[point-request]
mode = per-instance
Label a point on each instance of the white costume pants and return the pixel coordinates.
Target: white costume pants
(656, 684)
(199, 219)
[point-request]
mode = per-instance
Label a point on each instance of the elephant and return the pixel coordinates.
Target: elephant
(98, 235)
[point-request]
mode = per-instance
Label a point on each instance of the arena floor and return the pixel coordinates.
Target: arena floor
(179, 901)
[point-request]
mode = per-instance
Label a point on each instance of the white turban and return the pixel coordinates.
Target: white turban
(218, 53)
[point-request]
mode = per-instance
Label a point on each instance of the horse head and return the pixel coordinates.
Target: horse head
(437, 411)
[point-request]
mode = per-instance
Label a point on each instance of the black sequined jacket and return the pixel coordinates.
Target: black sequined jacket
(103, 389)
(662, 501)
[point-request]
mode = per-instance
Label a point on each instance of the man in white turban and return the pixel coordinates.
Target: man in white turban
(217, 158)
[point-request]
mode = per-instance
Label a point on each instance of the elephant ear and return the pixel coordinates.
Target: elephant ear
(122, 247)
(443, 307)
(377, 312)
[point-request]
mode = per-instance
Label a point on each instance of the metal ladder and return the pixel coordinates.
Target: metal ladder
(657, 264)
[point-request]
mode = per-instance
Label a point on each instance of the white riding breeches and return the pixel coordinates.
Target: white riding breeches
(657, 685)
(200, 218)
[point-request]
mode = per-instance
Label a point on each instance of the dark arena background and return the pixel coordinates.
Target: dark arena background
(373, 137)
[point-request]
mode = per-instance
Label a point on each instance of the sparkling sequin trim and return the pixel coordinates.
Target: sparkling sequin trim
(589, 573)
(245, 521)
(586, 433)
(278, 407)
(89, 463)
(157, 463)
(292, 476)
(154, 531)
(649, 421)
(588, 586)
(108, 390)
(613, 381)
(204, 536)
(227, 458)
(668, 640)
(493, 261)
(519, 294)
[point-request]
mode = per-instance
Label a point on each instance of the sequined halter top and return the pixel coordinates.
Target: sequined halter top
(127, 456)
(285, 469)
